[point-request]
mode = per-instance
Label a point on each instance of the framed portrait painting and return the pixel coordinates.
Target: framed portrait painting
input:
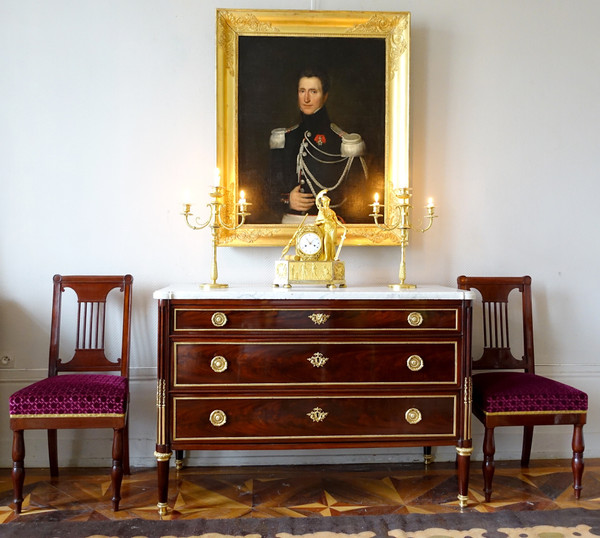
(311, 100)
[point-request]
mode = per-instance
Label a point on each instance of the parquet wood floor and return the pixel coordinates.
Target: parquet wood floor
(256, 492)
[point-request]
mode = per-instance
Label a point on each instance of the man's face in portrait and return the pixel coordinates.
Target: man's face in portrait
(310, 95)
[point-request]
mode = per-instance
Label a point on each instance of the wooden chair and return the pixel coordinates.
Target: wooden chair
(86, 396)
(509, 393)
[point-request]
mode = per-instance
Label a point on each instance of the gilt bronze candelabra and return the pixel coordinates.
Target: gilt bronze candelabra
(215, 221)
(399, 219)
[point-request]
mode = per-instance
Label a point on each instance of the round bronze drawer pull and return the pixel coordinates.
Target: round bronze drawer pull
(218, 364)
(414, 363)
(318, 360)
(218, 418)
(415, 319)
(218, 319)
(413, 415)
(317, 414)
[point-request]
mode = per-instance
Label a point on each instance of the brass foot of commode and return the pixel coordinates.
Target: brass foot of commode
(162, 509)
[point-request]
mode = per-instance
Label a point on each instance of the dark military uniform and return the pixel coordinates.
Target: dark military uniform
(317, 155)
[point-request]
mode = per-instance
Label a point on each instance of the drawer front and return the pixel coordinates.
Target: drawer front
(192, 319)
(272, 363)
(260, 419)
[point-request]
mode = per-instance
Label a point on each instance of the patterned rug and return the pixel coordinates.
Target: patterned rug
(575, 523)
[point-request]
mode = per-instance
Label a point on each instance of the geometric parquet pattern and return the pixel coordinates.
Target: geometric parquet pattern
(300, 491)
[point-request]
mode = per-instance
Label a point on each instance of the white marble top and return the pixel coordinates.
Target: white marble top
(426, 291)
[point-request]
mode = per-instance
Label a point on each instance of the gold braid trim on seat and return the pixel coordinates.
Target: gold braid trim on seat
(564, 412)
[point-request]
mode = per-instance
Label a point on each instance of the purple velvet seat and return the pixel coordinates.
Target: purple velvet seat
(72, 395)
(506, 390)
(518, 392)
(89, 390)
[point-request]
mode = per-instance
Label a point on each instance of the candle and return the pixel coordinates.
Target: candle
(430, 203)
(217, 178)
(187, 203)
(242, 201)
(376, 202)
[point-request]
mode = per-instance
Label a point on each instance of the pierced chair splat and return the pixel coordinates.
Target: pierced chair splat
(79, 393)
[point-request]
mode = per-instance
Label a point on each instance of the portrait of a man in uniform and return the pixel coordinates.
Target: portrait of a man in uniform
(313, 155)
(311, 117)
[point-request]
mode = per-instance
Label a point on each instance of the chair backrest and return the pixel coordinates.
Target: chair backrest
(497, 352)
(89, 336)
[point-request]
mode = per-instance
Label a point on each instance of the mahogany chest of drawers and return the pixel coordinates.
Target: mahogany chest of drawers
(277, 369)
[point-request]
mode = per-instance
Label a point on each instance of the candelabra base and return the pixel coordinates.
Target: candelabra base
(397, 287)
(214, 286)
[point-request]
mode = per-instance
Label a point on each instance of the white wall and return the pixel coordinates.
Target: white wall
(107, 115)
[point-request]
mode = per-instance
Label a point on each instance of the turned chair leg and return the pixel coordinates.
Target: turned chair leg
(527, 442)
(18, 470)
(577, 461)
(126, 468)
(53, 453)
(117, 468)
(487, 467)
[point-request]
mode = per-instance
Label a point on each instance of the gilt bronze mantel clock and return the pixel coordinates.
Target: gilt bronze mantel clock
(316, 261)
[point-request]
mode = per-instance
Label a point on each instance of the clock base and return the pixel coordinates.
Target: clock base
(289, 272)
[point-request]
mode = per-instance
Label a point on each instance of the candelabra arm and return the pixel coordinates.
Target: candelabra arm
(430, 216)
(241, 212)
(395, 220)
(187, 214)
(235, 226)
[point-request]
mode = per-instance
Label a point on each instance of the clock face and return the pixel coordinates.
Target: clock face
(309, 243)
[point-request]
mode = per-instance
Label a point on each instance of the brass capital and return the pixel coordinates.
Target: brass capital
(162, 456)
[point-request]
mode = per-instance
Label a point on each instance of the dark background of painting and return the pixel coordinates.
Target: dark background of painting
(267, 99)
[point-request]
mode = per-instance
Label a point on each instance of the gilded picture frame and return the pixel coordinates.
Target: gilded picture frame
(369, 54)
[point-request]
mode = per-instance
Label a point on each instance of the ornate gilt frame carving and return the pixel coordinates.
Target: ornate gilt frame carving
(391, 27)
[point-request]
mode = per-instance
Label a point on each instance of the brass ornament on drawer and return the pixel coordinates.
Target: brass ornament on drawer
(218, 364)
(317, 414)
(318, 360)
(319, 319)
(218, 418)
(415, 319)
(413, 415)
(218, 319)
(414, 363)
